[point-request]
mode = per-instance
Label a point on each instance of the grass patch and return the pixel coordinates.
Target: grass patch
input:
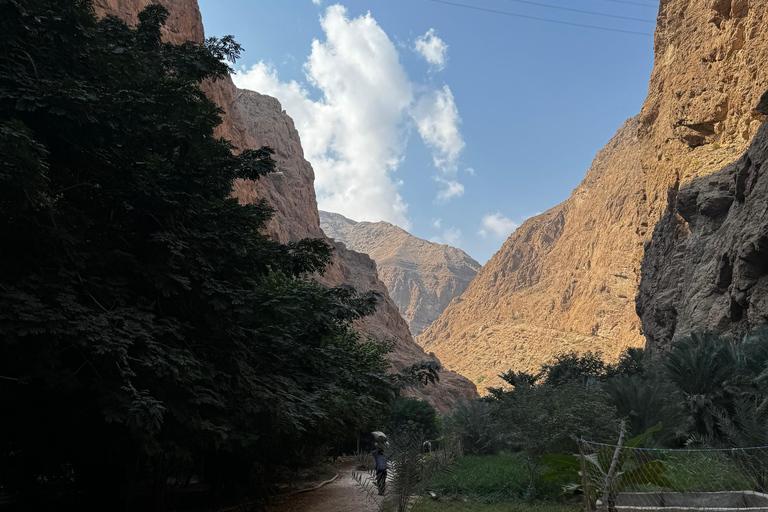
(709, 471)
(495, 479)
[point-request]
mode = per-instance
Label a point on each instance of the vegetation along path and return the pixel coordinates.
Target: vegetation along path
(341, 495)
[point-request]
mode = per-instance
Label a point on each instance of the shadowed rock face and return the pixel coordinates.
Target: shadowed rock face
(422, 277)
(567, 279)
(253, 120)
(706, 267)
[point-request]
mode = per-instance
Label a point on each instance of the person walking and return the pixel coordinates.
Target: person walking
(381, 460)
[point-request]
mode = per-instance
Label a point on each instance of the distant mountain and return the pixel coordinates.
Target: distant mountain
(422, 277)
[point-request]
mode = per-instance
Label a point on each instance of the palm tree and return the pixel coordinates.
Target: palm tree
(706, 368)
(646, 401)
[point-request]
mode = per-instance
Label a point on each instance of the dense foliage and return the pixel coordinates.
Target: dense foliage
(705, 390)
(414, 415)
(148, 331)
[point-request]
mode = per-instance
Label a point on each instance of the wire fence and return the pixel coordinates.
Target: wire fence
(630, 479)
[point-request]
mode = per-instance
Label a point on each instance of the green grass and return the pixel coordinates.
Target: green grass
(438, 506)
(495, 479)
(710, 471)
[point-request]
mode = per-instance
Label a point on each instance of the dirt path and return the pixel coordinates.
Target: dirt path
(341, 495)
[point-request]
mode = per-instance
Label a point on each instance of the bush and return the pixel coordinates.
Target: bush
(414, 415)
(544, 419)
(479, 431)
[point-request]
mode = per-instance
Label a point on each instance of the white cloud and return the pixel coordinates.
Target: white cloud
(316, 2)
(355, 134)
(432, 48)
(496, 225)
(289, 59)
(437, 119)
(451, 189)
(451, 236)
(470, 171)
(437, 223)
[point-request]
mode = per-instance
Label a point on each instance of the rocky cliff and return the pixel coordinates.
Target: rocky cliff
(253, 120)
(422, 277)
(566, 280)
(706, 267)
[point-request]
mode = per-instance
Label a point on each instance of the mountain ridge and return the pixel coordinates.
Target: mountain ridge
(422, 277)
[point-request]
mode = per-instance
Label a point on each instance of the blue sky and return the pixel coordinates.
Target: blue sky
(456, 124)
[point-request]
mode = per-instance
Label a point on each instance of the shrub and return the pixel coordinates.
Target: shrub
(479, 431)
(545, 419)
(414, 415)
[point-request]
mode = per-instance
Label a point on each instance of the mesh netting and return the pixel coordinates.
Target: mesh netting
(616, 479)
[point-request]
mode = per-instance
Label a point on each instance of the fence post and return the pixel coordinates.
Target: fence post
(589, 505)
(609, 493)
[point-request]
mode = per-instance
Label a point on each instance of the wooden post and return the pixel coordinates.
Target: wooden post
(608, 491)
(586, 486)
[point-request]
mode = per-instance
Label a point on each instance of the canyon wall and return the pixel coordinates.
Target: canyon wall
(706, 268)
(564, 280)
(422, 277)
(567, 279)
(253, 120)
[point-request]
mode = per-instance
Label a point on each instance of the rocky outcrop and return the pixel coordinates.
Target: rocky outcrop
(706, 268)
(186, 24)
(708, 76)
(290, 190)
(253, 120)
(359, 270)
(422, 277)
(567, 279)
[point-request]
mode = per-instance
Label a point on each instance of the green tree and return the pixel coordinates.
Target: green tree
(414, 415)
(572, 366)
(646, 402)
(147, 328)
(632, 361)
(703, 367)
(545, 419)
(473, 421)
